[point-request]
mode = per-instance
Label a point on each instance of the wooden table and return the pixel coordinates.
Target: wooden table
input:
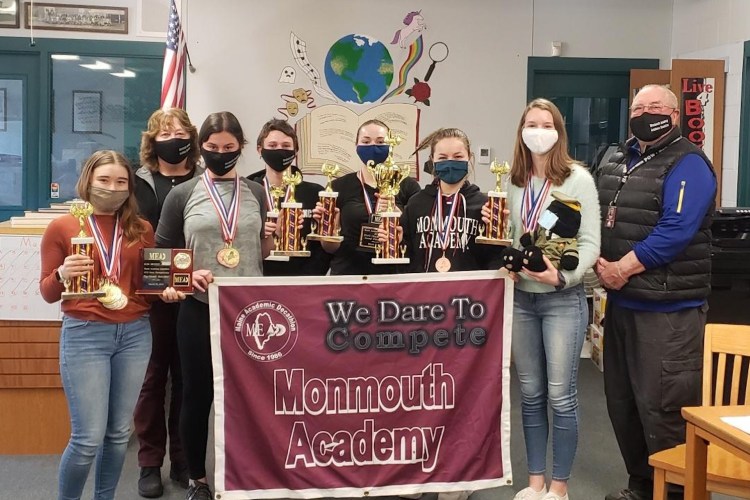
(704, 426)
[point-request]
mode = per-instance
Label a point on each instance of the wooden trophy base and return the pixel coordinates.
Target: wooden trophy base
(397, 260)
(82, 295)
(318, 237)
(290, 253)
(277, 258)
(483, 240)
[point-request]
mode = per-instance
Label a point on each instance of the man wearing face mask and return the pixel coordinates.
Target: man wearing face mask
(277, 145)
(169, 155)
(657, 198)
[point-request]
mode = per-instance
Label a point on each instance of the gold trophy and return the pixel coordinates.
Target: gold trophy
(87, 285)
(325, 230)
(498, 230)
(291, 243)
(388, 177)
(276, 193)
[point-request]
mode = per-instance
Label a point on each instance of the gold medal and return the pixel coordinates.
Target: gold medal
(113, 299)
(443, 265)
(228, 257)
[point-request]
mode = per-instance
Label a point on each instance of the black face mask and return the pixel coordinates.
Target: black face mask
(220, 163)
(173, 151)
(649, 127)
(277, 159)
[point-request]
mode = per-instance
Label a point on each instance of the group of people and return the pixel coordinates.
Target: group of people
(644, 230)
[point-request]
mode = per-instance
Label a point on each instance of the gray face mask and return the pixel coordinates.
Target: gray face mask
(106, 200)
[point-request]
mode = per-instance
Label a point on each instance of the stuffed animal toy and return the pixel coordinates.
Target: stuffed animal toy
(555, 237)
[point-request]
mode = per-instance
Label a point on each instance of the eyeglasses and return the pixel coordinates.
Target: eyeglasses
(649, 108)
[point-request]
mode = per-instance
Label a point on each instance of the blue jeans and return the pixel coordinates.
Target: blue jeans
(102, 367)
(548, 332)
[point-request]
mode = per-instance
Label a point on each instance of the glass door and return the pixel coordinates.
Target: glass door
(19, 141)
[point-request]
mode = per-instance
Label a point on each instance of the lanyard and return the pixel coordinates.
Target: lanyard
(629, 171)
(368, 201)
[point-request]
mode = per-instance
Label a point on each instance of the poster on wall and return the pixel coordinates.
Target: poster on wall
(697, 122)
(357, 388)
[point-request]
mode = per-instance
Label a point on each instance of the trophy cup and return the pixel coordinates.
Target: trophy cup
(276, 193)
(388, 177)
(165, 267)
(498, 230)
(87, 285)
(291, 243)
(326, 230)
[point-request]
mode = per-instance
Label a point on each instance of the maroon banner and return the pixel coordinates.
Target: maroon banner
(347, 387)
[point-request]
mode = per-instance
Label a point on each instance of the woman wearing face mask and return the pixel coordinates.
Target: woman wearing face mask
(357, 205)
(277, 145)
(219, 215)
(441, 222)
(549, 310)
(105, 342)
(169, 156)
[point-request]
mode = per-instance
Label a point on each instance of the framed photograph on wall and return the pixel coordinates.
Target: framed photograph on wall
(87, 111)
(3, 110)
(68, 17)
(10, 14)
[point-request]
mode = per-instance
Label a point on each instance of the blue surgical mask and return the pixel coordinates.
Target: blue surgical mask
(375, 152)
(451, 171)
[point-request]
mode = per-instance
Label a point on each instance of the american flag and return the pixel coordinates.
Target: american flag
(173, 75)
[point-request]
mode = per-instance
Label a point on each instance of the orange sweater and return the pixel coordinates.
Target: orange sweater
(56, 246)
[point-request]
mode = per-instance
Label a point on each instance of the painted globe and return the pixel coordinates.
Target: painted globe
(359, 69)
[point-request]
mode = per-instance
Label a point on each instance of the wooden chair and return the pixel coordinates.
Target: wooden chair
(726, 348)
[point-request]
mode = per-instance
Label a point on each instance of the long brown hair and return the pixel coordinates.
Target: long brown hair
(279, 126)
(444, 133)
(374, 121)
(133, 227)
(559, 161)
(161, 120)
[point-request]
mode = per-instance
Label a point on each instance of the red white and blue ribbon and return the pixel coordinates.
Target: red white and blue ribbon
(531, 204)
(109, 256)
(269, 197)
(442, 223)
(227, 215)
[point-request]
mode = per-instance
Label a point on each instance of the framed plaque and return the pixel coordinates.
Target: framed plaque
(164, 267)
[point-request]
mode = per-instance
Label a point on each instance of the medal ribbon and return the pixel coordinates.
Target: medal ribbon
(227, 216)
(109, 257)
(368, 201)
(269, 198)
(531, 206)
(442, 228)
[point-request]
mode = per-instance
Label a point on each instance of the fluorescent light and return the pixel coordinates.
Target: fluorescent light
(97, 65)
(126, 73)
(65, 57)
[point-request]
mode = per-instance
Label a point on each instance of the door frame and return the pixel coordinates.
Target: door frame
(743, 166)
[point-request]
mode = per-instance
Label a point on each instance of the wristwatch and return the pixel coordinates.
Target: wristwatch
(562, 280)
(58, 276)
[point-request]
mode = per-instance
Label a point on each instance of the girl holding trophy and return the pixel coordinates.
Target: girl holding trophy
(105, 342)
(441, 222)
(358, 206)
(549, 310)
(221, 217)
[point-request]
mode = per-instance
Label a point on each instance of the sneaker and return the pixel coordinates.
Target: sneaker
(199, 491)
(179, 474)
(554, 496)
(628, 494)
(530, 493)
(149, 484)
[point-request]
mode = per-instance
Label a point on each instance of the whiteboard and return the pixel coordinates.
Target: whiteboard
(20, 268)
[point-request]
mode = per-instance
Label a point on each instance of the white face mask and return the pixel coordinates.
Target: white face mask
(539, 140)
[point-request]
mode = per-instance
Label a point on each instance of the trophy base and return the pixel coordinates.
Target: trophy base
(397, 260)
(483, 240)
(290, 253)
(158, 292)
(277, 258)
(82, 295)
(318, 237)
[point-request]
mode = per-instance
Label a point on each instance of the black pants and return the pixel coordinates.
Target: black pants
(652, 368)
(193, 342)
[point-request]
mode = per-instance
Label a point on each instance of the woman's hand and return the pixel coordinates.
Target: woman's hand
(319, 211)
(202, 278)
(269, 228)
(548, 276)
(486, 213)
(171, 295)
(383, 234)
(75, 265)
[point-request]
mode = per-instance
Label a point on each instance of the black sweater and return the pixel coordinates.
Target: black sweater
(421, 231)
(318, 262)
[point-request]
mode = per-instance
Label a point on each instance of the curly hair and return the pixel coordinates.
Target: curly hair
(161, 120)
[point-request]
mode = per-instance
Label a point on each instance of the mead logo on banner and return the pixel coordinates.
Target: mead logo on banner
(352, 387)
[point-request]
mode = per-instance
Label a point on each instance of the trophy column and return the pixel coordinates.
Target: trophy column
(87, 285)
(497, 232)
(291, 243)
(326, 230)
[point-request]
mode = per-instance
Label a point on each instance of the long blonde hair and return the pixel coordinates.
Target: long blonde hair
(559, 161)
(133, 226)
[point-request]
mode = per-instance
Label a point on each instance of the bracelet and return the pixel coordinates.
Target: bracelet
(619, 273)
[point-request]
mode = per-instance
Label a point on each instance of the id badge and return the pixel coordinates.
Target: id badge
(611, 214)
